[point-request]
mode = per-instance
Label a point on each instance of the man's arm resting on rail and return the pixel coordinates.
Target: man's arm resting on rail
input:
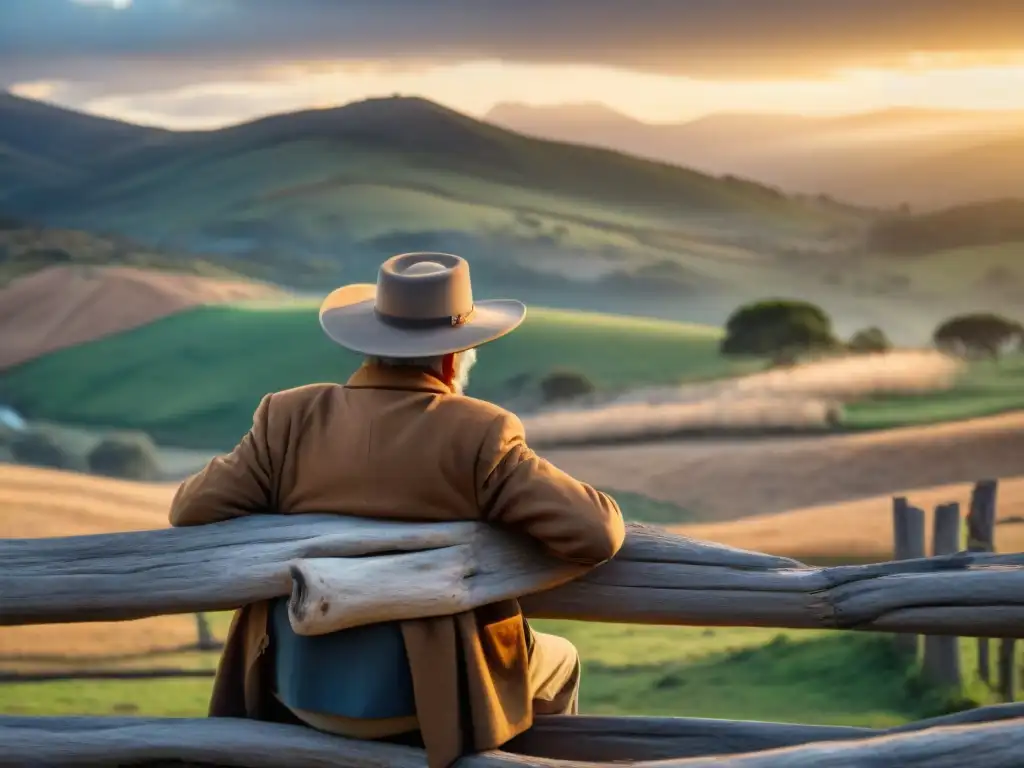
(522, 491)
(233, 485)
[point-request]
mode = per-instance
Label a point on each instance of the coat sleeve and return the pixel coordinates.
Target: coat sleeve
(520, 490)
(233, 485)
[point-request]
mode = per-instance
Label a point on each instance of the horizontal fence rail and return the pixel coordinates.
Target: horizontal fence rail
(657, 578)
(992, 738)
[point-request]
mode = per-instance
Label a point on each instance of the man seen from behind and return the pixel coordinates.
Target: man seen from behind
(400, 441)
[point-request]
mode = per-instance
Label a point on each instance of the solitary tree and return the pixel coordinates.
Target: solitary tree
(565, 385)
(39, 448)
(981, 334)
(775, 327)
(131, 455)
(869, 340)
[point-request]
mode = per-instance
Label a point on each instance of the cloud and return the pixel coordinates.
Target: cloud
(117, 5)
(45, 39)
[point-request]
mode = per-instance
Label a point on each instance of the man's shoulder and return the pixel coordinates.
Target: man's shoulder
(300, 398)
(482, 414)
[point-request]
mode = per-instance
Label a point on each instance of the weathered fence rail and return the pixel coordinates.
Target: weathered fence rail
(656, 578)
(590, 741)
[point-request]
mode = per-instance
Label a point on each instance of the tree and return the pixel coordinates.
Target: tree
(40, 449)
(565, 385)
(777, 326)
(981, 334)
(132, 456)
(868, 340)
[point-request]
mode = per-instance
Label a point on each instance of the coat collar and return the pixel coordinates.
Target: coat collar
(390, 377)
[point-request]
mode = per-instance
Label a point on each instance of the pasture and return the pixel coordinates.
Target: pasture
(193, 379)
(760, 674)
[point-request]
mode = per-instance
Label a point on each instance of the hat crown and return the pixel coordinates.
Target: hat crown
(430, 288)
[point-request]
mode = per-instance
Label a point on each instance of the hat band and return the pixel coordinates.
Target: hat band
(425, 323)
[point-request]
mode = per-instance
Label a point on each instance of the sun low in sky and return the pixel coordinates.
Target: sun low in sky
(207, 63)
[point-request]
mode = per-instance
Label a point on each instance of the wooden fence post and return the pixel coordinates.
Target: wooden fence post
(206, 639)
(1007, 665)
(942, 652)
(981, 525)
(908, 544)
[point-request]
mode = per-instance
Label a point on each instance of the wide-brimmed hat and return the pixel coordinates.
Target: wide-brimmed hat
(421, 306)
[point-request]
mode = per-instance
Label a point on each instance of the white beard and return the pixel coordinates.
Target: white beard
(464, 364)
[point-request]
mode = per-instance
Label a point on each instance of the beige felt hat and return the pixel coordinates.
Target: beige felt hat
(421, 306)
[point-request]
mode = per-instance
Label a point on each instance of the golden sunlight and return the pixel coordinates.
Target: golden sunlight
(475, 87)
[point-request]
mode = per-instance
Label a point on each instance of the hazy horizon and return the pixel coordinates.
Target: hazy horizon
(39, 93)
(191, 64)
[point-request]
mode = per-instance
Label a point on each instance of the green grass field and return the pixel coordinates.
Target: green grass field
(809, 677)
(987, 388)
(194, 379)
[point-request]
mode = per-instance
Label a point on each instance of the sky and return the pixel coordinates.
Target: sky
(207, 63)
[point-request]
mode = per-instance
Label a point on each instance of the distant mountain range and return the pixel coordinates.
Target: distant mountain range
(926, 158)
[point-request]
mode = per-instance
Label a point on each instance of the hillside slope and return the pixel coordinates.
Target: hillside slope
(193, 379)
(924, 157)
(42, 145)
(333, 191)
(61, 307)
(26, 247)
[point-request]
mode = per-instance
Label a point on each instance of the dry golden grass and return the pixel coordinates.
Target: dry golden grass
(34, 309)
(38, 502)
(859, 529)
(728, 479)
(41, 502)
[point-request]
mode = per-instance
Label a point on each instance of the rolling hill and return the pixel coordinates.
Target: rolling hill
(44, 146)
(919, 156)
(193, 379)
(327, 193)
(317, 198)
(64, 306)
(26, 247)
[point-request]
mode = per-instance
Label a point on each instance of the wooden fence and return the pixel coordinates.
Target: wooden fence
(941, 654)
(656, 578)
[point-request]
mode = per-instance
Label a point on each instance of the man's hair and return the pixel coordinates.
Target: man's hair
(464, 360)
(433, 363)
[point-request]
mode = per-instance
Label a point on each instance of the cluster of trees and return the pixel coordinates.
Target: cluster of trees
(987, 223)
(130, 455)
(786, 329)
(979, 335)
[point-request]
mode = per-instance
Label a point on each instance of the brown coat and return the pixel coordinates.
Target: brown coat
(397, 443)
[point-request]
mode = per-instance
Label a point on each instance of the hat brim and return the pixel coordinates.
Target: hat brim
(348, 318)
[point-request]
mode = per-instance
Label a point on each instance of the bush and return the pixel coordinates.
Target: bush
(132, 456)
(768, 328)
(39, 449)
(565, 385)
(981, 334)
(869, 340)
